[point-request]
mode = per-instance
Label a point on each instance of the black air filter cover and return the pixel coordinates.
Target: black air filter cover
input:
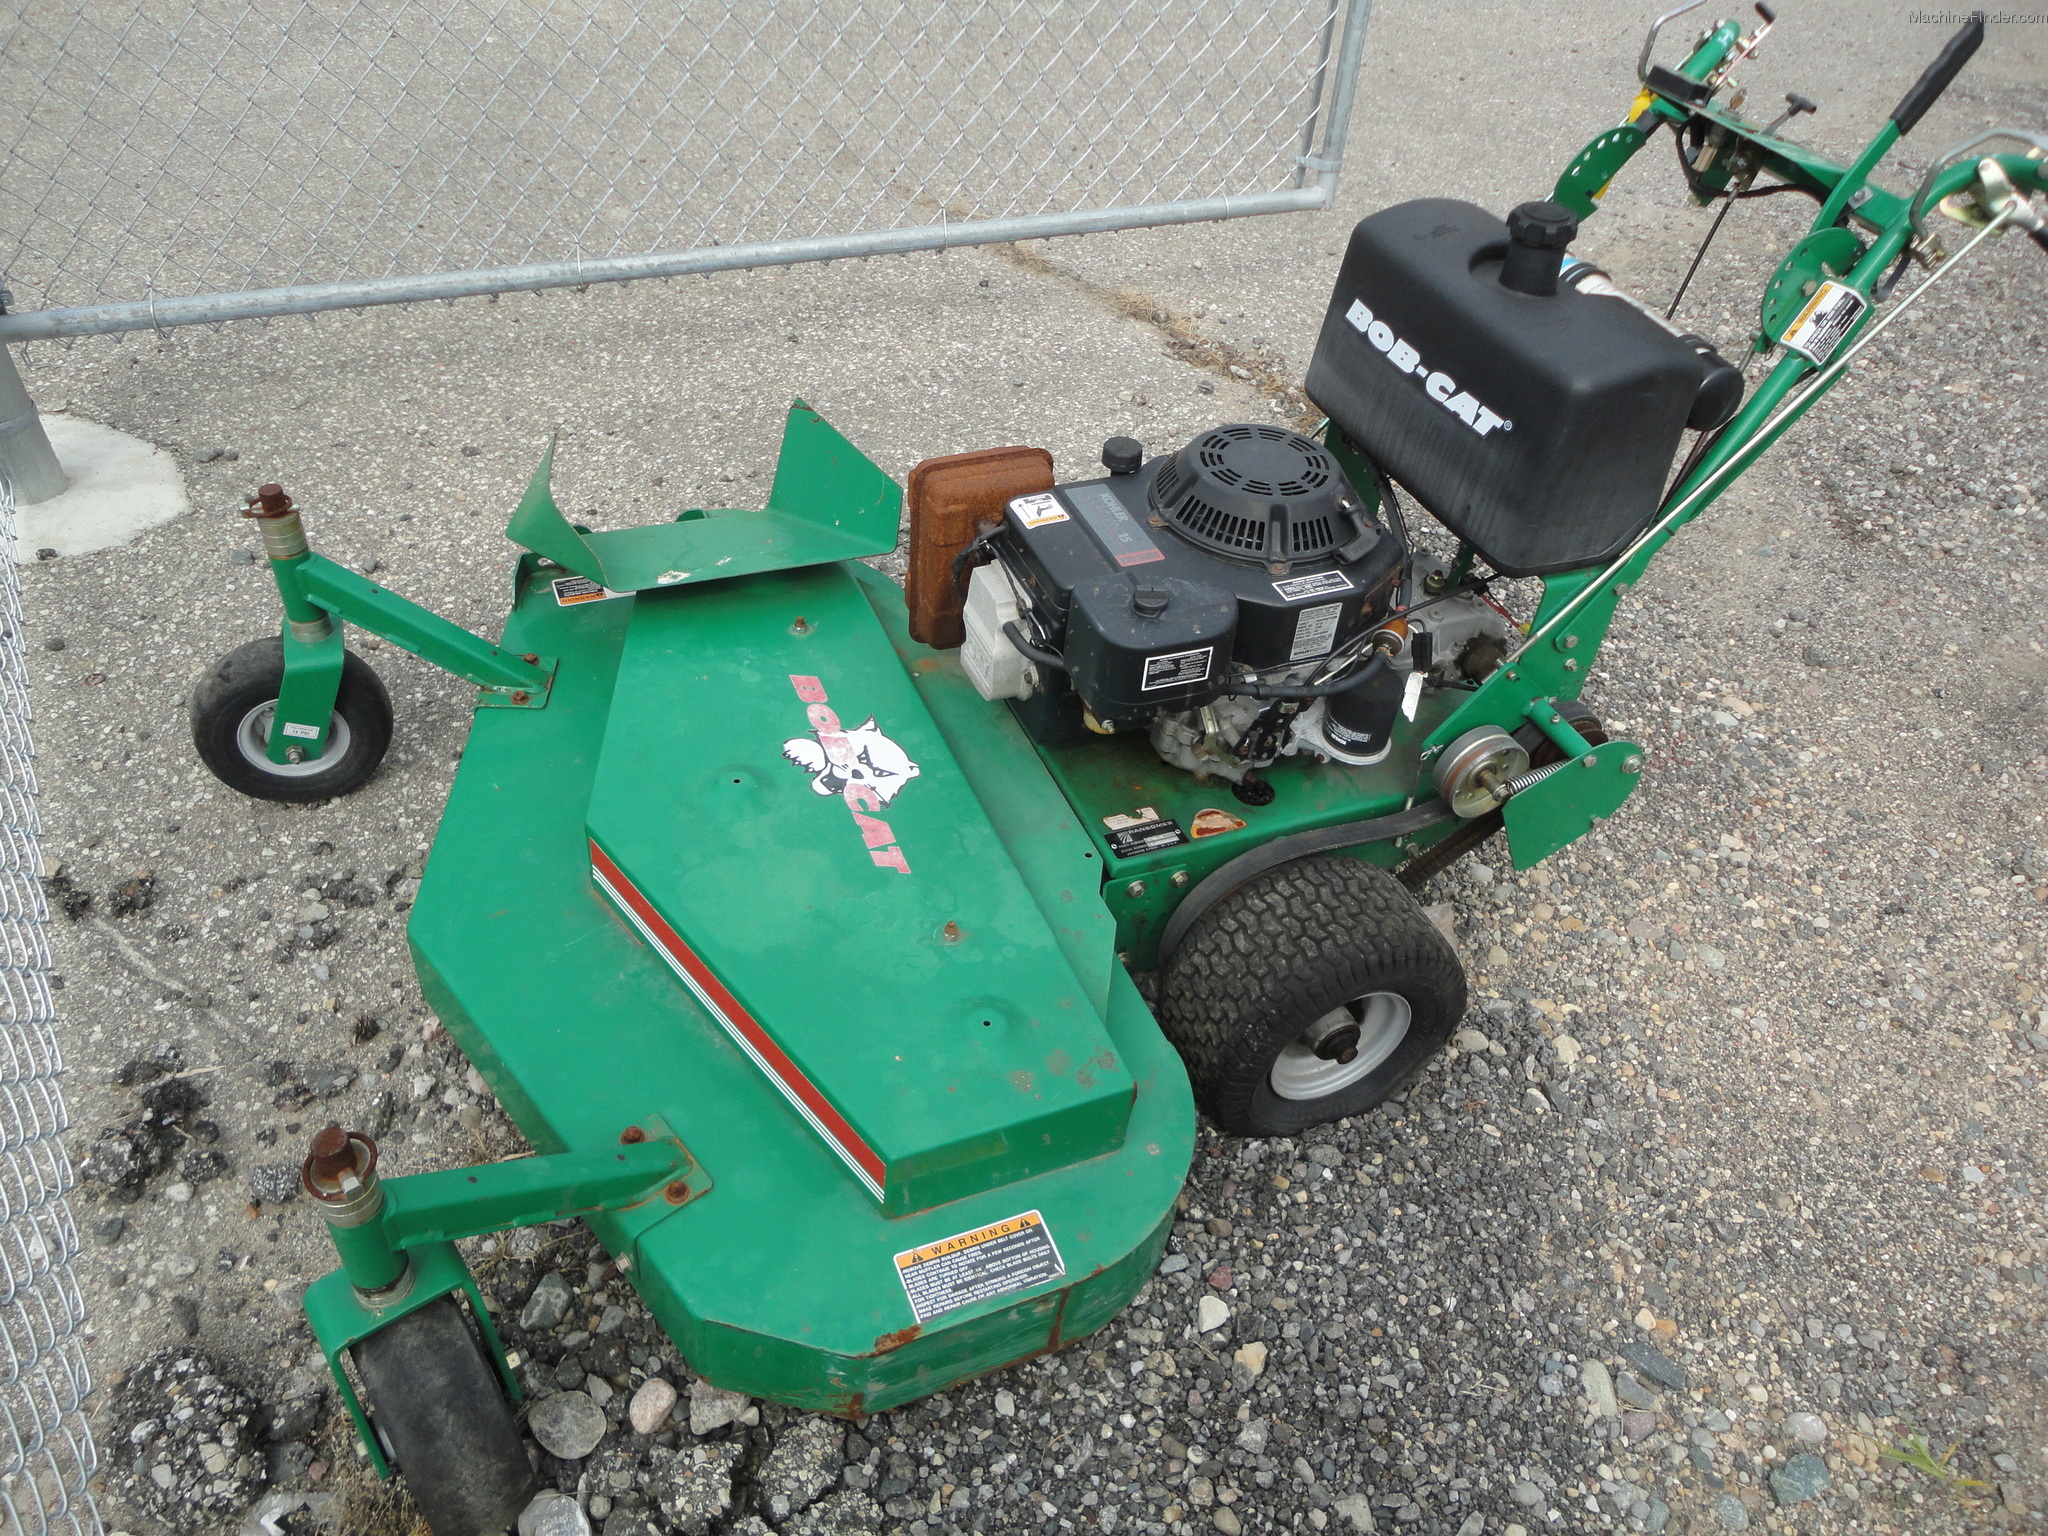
(1255, 493)
(1540, 428)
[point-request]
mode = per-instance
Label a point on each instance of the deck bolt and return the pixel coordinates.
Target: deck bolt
(1180, 877)
(677, 1193)
(1589, 761)
(1631, 765)
(632, 1135)
(531, 659)
(802, 626)
(1571, 665)
(520, 695)
(295, 754)
(950, 934)
(1135, 889)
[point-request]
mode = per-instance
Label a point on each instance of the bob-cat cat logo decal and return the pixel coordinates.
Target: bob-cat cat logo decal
(862, 766)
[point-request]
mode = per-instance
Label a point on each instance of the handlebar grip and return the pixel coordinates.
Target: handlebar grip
(1939, 75)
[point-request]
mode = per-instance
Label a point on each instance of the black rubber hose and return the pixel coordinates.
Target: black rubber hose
(1307, 690)
(1032, 652)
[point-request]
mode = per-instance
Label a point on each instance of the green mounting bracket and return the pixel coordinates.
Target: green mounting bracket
(413, 1237)
(305, 697)
(1563, 807)
(340, 1318)
(1823, 254)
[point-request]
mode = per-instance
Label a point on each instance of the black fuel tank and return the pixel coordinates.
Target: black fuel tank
(1538, 427)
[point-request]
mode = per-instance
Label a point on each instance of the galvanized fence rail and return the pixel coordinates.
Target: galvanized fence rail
(181, 161)
(46, 1449)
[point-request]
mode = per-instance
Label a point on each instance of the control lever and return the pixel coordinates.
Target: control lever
(1794, 105)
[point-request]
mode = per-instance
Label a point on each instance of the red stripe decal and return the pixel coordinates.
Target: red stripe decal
(736, 1018)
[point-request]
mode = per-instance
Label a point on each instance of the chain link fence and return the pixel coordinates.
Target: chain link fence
(173, 161)
(46, 1449)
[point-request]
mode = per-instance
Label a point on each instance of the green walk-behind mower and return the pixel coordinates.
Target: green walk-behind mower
(792, 916)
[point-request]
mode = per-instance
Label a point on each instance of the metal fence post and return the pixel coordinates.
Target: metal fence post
(27, 461)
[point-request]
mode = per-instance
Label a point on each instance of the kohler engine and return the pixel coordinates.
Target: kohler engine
(1229, 598)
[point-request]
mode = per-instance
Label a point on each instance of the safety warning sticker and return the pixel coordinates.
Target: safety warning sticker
(994, 1260)
(1036, 511)
(1315, 630)
(1829, 316)
(1136, 837)
(1295, 588)
(1179, 670)
(571, 590)
(1213, 823)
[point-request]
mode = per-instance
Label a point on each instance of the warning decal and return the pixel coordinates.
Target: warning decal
(994, 1260)
(1180, 670)
(1037, 511)
(571, 590)
(1829, 316)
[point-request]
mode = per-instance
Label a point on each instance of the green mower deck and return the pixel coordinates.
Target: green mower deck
(875, 1030)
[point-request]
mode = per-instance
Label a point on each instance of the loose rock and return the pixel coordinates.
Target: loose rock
(651, 1405)
(712, 1409)
(1803, 1477)
(567, 1425)
(548, 1304)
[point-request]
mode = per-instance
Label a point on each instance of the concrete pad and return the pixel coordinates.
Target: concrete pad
(120, 488)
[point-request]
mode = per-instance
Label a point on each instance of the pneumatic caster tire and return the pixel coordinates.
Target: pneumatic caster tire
(1311, 994)
(232, 712)
(440, 1414)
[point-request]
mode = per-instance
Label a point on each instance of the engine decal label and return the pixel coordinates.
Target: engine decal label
(1037, 511)
(1214, 823)
(1438, 385)
(861, 766)
(571, 590)
(994, 1260)
(1829, 315)
(1183, 669)
(1136, 837)
(1321, 584)
(1121, 537)
(1315, 631)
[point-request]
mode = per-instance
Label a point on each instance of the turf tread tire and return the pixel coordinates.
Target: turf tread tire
(250, 676)
(437, 1404)
(1254, 971)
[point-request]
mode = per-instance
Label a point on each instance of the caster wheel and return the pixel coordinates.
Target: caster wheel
(232, 710)
(1312, 993)
(440, 1413)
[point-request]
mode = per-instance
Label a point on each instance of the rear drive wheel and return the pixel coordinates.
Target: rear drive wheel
(1312, 993)
(233, 711)
(440, 1413)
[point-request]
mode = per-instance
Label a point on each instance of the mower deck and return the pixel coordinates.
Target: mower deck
(621, 921)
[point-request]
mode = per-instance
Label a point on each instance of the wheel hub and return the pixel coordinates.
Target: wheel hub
(1349, 1043)
(252, 736)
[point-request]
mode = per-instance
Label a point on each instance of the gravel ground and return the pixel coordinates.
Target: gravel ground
(1734, 1183)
